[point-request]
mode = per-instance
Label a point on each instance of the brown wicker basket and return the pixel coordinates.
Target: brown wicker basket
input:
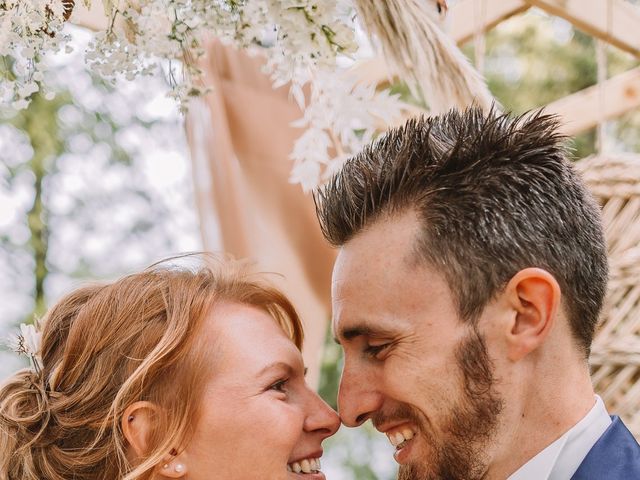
(615, 358)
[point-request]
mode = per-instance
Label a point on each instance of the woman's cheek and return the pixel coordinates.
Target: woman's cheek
(288, 422)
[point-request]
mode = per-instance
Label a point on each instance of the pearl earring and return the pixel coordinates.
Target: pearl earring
(179, 468)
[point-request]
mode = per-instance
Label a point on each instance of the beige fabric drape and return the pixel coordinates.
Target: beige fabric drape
(240, 140)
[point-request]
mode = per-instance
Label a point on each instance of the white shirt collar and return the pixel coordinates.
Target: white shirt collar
(561, 459)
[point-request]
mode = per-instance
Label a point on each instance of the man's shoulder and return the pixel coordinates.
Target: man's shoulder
(616, 455)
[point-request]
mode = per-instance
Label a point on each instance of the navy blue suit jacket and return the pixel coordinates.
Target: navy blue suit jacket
(615, 456)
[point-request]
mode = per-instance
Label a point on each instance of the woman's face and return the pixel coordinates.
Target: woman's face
(259, 418)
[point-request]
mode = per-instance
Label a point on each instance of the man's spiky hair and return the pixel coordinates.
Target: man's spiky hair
(495, 193)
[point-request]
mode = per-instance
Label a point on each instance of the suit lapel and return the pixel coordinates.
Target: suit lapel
(616, 455)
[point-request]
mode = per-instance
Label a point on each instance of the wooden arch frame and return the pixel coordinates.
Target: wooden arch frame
(614, 21)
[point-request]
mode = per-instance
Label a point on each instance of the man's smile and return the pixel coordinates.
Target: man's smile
(401, 436)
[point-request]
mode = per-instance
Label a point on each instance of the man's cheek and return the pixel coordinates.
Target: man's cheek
(400, 382)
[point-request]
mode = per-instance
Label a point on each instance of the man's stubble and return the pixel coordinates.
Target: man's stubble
(469, 426)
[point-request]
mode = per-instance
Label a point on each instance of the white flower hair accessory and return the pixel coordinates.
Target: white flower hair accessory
(28, 343)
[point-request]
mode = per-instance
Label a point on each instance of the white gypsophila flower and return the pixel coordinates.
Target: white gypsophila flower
(29, 30)
(21, 104)
(302, 41)
(310, 36)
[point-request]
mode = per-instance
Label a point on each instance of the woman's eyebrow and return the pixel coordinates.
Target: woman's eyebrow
(275, 366)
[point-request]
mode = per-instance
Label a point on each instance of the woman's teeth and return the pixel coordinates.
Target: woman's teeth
(397, 439)
(308, 465)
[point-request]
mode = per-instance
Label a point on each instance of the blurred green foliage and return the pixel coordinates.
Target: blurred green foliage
(79, 161)
(534, 59)
(40, 124)
(48, 138)
(330, 370)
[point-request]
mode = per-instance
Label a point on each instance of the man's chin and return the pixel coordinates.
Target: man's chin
(412, 471)
(421, 463)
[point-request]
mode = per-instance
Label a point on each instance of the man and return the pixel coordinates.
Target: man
(470, 276)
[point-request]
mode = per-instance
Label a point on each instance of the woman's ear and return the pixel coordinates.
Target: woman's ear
(136, 426)
(137, 423)
(534, 294)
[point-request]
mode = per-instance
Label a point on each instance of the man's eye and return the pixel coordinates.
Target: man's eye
(375, 350)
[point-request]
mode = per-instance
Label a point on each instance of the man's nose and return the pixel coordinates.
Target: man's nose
(358, 396)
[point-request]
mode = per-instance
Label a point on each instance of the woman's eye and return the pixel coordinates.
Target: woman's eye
(279, 386)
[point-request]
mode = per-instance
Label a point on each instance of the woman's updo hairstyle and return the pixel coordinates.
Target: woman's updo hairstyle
(105, 347)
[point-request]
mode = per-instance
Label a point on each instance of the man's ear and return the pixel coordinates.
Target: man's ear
(534, 295)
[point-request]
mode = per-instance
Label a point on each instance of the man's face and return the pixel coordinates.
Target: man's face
(422, 375)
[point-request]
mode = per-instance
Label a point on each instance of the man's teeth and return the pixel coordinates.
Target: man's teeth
(308, 465)
(399, 438)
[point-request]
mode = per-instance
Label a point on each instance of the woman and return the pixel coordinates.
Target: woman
(168, 373)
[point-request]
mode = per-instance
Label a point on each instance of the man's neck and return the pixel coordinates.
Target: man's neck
(544, 415)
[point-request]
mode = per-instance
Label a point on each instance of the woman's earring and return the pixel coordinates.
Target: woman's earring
(179, 468)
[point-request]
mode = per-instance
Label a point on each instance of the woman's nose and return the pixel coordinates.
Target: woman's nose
(321, 418)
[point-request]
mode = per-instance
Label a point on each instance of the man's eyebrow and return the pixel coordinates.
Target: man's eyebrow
(363, 330)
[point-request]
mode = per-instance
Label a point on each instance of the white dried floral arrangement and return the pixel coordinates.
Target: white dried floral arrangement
(28, 343)
(302, 40)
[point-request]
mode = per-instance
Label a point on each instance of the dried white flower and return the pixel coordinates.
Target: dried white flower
(28, 343)
(342, 116)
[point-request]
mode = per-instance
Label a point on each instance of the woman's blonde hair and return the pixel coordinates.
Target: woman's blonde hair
(105, 347)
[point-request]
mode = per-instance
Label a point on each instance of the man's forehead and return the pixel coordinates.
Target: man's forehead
(396, 232)
(370, 271)
(366, 258)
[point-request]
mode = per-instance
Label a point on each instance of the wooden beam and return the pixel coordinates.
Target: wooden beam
(584, 109)
(465, 24)
(615, 21)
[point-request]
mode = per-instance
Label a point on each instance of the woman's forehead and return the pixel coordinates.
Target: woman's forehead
(247, 338)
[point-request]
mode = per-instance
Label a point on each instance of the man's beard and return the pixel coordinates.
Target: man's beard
(468, 427)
